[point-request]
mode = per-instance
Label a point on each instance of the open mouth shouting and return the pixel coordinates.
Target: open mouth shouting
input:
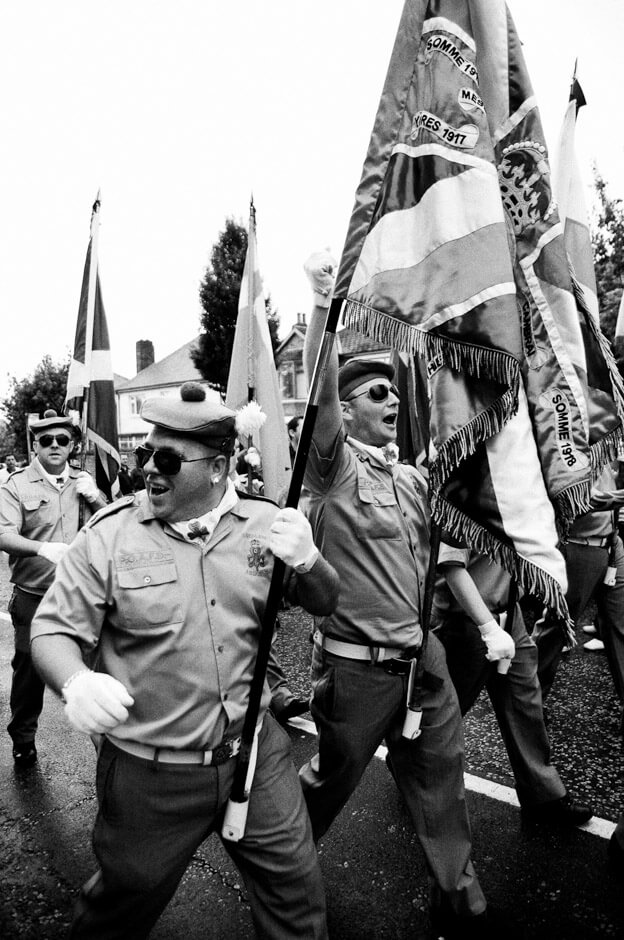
(155, 488)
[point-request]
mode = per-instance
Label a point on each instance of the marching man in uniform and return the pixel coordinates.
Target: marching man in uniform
(170, 585)
(370, 517)
(39, 517)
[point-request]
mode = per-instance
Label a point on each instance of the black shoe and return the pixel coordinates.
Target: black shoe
(561, 812)
(297, 706)
(615, 854)
(24, 755)
(492, 924)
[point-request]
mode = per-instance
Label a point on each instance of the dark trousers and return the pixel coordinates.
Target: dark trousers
(586, 566)
(153, 817)
(516, 699)
(356, 706)
(26, 699)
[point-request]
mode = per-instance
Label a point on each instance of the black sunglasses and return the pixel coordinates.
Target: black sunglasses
(377, 393)
(165, 461)
(46, 440)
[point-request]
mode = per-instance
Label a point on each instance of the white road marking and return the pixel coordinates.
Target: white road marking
(496, 791)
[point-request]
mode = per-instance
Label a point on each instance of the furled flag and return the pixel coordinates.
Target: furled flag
(589, 350)
(571, 204)
(253, 376)
(90, 385)
(455, 252)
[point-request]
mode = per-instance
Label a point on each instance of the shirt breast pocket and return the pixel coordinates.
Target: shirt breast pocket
(377, 517)
(38, 512)
(149, 596)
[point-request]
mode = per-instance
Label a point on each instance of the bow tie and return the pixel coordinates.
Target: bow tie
(391, 454)
(196, 530)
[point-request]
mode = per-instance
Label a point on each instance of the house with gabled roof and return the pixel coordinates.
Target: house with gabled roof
(289, 361)
(164, 378)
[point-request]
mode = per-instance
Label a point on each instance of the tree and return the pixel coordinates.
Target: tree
(45, 388)
(608, 248)
(219, 294)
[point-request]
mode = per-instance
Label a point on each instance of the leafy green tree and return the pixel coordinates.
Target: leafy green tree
(608, 247)
(6, 440)
(219, 295)
(45, 388)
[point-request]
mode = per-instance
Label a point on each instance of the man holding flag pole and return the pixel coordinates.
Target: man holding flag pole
(370, 516)
(455, 253)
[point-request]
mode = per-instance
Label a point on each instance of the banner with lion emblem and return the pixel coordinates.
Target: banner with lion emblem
(455, 253)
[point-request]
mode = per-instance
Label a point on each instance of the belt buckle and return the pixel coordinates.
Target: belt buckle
(222, 752)
(396, 666)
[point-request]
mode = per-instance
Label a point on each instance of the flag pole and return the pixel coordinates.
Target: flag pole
(251, 381)
(95, 230)
(84, 418)
(236, 812)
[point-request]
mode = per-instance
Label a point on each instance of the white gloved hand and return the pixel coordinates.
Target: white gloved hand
(320, 269)
(499, 644)
(95, 702)
(85, 485)
(52, 551)
(290, 538)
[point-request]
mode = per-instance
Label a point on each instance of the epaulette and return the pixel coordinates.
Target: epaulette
(110, 510)
(16, 471)
(243, 494)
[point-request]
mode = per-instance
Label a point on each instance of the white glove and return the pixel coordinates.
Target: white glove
(499, 643)
(86, 486)
(290, 538)
(252, 457)
(321, 272)
(52, 551)
(95, 702)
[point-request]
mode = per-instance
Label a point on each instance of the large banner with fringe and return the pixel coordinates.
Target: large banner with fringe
(455, 253)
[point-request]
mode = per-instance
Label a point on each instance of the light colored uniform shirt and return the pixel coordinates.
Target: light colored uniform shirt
(490, 578)
(33, 506)
(177, 622)
(371, 522)
(598, 524)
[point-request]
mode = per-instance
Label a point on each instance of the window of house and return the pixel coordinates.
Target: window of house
(287, 380)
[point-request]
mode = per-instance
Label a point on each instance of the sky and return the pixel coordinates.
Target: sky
(178, 111)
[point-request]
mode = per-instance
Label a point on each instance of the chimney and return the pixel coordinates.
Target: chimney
(144, 354)
(301, 320)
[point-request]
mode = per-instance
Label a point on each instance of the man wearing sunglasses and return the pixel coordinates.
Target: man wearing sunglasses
(39, 511)
(169, 585)
(370, 519)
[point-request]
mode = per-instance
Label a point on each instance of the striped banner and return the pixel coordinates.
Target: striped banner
(455, 252)
(90, 382)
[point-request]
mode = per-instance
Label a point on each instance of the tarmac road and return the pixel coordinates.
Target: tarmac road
(557, 884)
